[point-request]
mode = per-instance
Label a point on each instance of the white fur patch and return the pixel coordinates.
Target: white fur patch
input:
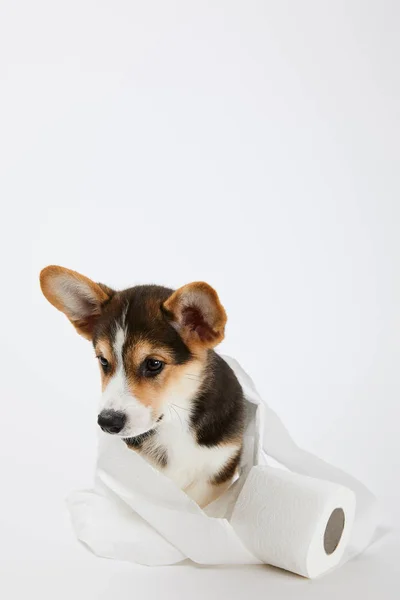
(118, 397)
(118, 345)
(188, 462)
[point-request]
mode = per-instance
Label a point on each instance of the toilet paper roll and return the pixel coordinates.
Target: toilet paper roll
(292, 521)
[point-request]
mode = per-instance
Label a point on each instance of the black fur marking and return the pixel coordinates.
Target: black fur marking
(138, 441)
(145, 319)
(159, 454)
(228, 471)
(218, 411)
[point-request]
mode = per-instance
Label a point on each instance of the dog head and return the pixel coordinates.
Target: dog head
(151, 343)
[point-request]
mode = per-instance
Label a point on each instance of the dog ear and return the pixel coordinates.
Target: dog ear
(78, 297)
(197, 314)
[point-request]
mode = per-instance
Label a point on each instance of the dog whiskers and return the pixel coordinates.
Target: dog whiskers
(193, 378)
(170, 406)
(181, 407)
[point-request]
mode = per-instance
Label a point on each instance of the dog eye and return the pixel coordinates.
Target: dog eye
(153, 366)
(104, 362)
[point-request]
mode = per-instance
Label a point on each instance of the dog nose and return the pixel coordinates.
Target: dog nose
(111, 421)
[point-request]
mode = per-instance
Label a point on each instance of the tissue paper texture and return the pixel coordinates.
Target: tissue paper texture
(282, 517)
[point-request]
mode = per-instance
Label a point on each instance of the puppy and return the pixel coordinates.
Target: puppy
(166, 393)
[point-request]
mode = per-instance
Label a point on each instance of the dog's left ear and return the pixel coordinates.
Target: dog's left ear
(197, 314)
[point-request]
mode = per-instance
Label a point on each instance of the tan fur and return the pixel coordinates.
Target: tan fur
(144, 349)
(49, 279)
(174, 381)
(104, 348)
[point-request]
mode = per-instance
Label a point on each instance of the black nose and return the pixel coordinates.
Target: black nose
(111, 421)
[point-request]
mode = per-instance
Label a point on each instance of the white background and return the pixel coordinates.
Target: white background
(251, 144)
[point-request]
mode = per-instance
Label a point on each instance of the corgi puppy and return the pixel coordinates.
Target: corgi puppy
(165, 392)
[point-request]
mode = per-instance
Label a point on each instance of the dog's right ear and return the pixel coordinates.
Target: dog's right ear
(197, 314)
(78, 297)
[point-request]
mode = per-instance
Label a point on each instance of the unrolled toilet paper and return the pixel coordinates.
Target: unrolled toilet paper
(294, 522)
(299, 520)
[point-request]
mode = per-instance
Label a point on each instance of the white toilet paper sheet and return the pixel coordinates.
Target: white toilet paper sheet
(135, 513)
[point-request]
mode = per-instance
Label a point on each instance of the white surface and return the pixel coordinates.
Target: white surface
(253, 145)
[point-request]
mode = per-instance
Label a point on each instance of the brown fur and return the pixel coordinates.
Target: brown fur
(199, 328)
